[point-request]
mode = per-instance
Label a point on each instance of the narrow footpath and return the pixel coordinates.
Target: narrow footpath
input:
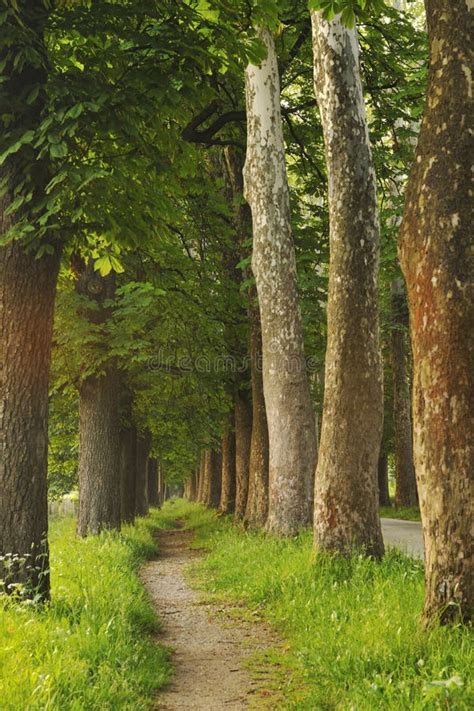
(211, 647)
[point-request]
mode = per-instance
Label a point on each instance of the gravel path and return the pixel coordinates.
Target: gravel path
(210, 646)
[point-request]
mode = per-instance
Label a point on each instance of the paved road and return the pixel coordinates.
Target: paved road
(405, 535)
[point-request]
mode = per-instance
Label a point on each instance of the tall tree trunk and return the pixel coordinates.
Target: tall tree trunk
(291, 426)
(227, 502)
(243, 434)
(99, 454)
(436, 257)
(141, 489)
(405, 491)
(215, 478)
(27, 291)
(256, 511)
(384, 495)
(128, 470)
(202, 477)
(99, 451)
(192, 486)
(205, 480)
(346, 492)
(153, 498)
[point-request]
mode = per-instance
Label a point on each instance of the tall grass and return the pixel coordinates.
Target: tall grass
(91, 648)
(352, 626)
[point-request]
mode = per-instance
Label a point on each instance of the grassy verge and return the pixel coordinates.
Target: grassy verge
(91, 648)
(351, 632)
(405, 514)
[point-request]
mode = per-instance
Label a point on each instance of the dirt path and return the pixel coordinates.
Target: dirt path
(210, 645)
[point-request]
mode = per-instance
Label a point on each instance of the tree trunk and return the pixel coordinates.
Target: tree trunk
(192, 485)
(384, 495)
(436, 257)
(346, 492)
(27, 291)
(128, 468)
(202, 477)
(256, 511)
(141, 490)
(405, 491)
(99, 455)
(99, 450)
(243, 434)
(291, 427)
(227, 502)
(153, 498)
(216, 479)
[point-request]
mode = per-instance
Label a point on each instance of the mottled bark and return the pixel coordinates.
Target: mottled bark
(256, 511)
(243, 434)
(99, 454)
(128, 467)
(436, 256)
(405, 482)
(291, 428)
(346, 491)
(27, 291)
(141, 489)
(153, 496)
(384, 495)
(227, 502)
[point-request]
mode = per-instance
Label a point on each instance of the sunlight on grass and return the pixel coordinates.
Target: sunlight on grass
(91, 647)
(354, 641)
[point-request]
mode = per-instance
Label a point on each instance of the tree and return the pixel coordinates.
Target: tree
(27, 292)
(291, 423)
(141, 487)
(435, 253)
(227, 501)
(405, 491)
(256, 511)
(346, 491)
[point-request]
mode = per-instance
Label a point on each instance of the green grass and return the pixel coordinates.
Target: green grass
(403, 513)
(91, 648)
(350, 627)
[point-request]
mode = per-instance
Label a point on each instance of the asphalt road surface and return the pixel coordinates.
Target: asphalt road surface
(405, 535)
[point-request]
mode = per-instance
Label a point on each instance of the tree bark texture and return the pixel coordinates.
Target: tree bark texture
(346, 492)
(436, 252)
(405, 482)
(384, 495)
(256, 511)
(99, 455)
(153, 497)
(243, 434)
(202, 477)
(291, 427)
(141, 489)
(212, 478)
(27, 292)
(99, 423)
(128, 466)
(227, 502)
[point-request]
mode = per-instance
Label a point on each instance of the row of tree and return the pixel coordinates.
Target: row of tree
(122, 169)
